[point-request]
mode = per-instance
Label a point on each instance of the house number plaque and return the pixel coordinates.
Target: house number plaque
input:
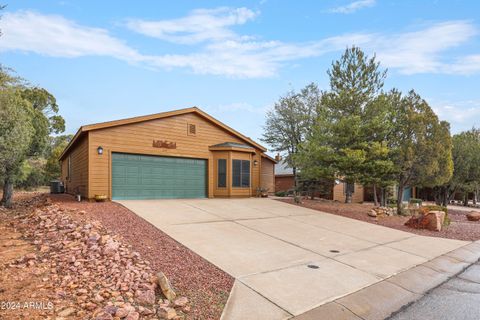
(164, 144)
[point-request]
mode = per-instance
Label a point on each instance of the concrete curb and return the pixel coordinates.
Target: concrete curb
(387, 297)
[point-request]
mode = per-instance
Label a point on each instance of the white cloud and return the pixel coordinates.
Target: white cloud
(466, 65)
(460, 114)
(420, 51)
(217, 50)
(250, 59)
(55, 36)
(353, 6)
(199, 26)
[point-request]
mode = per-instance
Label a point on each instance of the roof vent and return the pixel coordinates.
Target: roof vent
(192, 129)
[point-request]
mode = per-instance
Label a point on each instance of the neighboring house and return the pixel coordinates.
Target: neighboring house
(284, 181)
(408, 193)
(177, 154)
(340, 188)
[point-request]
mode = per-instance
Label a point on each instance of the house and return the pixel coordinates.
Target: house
(284, 181)
(177, 154)
(408, 193)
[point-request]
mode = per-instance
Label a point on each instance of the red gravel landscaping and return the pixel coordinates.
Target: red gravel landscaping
(206, 286)
(460, 228)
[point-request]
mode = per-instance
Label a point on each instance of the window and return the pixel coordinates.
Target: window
(241, 173)
(222, 173)
(191, 129)
(348, 187)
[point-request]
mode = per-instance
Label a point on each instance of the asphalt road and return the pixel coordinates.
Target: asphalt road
(457, 299)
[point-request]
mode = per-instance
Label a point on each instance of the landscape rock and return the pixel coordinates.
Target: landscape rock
(133, 316)
(145, 297)
(90, 272)
(432, 220)
(166, 313)
(382, 211)
(30, 256)
(111, 247)
(66, 312)
(180, 302)
(166, 287)
(435, 220)
(121, 312)
(473, 216)
(103, 316)
(145, 311)
(111, 309)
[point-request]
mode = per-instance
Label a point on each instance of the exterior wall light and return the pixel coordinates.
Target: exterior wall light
(100, 150)
(255, 162)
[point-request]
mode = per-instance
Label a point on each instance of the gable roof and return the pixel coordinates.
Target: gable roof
(282, 168)
(232, 144)
(102, 125)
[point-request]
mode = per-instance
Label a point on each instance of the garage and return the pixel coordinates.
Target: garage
(177, 154)
(157, 177)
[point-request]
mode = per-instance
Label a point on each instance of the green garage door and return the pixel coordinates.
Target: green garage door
(153, 177)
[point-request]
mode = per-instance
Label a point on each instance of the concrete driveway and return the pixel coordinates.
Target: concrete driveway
(287, 259)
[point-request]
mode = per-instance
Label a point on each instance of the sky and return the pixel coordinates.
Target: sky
(106, 60)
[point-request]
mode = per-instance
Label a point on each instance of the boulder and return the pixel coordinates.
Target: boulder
(435, 220)
(432, 220)
(166, 286)
(473, 216)
(372, 213)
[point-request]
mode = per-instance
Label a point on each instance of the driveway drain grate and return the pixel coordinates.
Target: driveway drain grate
(312, 266)
(334, 251)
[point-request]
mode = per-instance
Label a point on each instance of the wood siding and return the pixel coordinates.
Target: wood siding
(78, 180)
(267, 176)
(137, 138)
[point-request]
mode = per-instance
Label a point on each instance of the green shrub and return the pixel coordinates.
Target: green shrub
(280, 193)
(434, 207)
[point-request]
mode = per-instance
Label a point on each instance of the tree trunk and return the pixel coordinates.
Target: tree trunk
(475, 193)
(446, 197)
(400, 190)
(348, 196)
(294, 170)
(375, 199)
(437, 194)
(465, 199)
(7, 192)
(383, 198)
(441, 196)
